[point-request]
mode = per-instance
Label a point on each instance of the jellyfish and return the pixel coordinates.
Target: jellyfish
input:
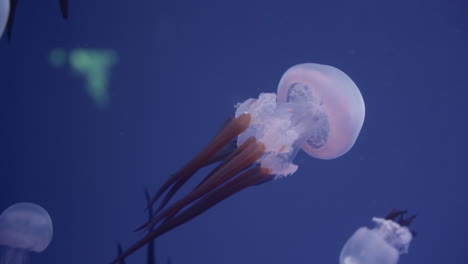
(4, 10)
(317, 108)
(64, 8)
(382, 244)
(24, 227)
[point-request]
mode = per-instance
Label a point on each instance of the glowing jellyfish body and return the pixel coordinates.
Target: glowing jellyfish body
(4, 11)
(24, 227)
(95, 66)
(317, 108)
(382, 244)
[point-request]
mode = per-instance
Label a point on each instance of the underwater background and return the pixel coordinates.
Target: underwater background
(84, 145)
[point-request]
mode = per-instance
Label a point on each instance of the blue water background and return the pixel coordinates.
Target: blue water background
(183, 65)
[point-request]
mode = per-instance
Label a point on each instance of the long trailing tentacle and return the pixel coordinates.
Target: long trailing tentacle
(220, 155)
(226, 135)
(226, 150)
(11, 17)
(172, 191)
(223, 153)
(395, 213)
(250, 177)
(247, 154)
(406, 221)
(64, 8)
(150, 257)
(402, 221)
(150, 253)
(236, 152)
(119, 252)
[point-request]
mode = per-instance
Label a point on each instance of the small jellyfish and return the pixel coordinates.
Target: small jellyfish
(382, 244)
(4, 11)
(24, 227)
(317, 108)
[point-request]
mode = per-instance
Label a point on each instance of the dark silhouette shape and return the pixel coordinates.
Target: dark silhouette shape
(64, 8)
(235, 172)
(9, 25)
(119, 251)
(14, 4)
(406, 221)
(396, 213)
(150, 255)
(220, 155)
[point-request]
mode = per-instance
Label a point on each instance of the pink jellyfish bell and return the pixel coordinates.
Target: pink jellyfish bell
(339, 108)
(318, 108)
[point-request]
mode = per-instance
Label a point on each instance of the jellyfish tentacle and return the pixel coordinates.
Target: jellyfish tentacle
(176, 186)
(225, 123)
(406, 221)
(250, 151)
(250, 177)
(172, 191)
(148, 199)
(395, 213)
(223, 153)
(64, 8)
(119, 252)
(11, 16)
(226, 135)
(220, 155)
(227, 159)
(150, 256)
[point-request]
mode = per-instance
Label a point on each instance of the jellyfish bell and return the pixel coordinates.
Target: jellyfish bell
(338, 107)
(24, 227)
(4, 11)
(317, 108)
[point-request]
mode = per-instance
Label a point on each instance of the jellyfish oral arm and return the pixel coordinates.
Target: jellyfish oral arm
(227, 134)
(249, 178)
(271, 139)
(242, 158)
